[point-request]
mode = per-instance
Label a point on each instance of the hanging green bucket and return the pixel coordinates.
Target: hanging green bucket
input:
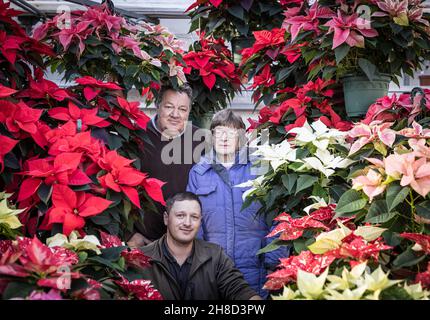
(359, 92)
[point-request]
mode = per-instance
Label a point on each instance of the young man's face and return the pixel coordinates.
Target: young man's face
(183, 221)
(173, 112)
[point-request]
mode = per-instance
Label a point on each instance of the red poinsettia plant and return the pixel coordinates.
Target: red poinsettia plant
(271, 64)
(99, 44)
(69, 156)
(293, 106)
(212, 74)
(69, 168)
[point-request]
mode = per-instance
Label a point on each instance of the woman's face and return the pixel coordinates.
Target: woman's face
(226, 140)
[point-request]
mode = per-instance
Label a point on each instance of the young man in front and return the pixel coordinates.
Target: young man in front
(185, 268)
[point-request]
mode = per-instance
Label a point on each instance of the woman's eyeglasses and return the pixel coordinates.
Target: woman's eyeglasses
(229, 133)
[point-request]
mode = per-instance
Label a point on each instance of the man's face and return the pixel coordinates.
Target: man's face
(183, 221)
(226, 140)
(173, 112)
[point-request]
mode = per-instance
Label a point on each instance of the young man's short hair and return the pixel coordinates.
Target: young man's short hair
(185, 88)
(182, 196)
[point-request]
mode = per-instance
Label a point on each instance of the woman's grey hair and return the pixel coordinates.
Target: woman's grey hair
(227, 118)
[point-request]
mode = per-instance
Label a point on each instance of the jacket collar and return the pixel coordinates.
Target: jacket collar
(201, 253)
(207, 160)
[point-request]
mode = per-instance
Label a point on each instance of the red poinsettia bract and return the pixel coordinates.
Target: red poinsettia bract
(85, 117)
(306, 261)
(71, 208)
(140, 289)
(92, 86)
(19, 117)
(421, 239)
(109, 240)
(213, 60)
(62, 169)
(292, 229)
(120, 176)
(424, 278)
(6, 146)
(6, 92)
(356, 248)
(132, 113)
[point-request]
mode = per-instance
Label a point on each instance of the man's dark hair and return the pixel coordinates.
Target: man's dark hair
(181, 196)
(227, 118)
(185, 88)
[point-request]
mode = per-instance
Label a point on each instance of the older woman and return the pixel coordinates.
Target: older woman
(240, 232)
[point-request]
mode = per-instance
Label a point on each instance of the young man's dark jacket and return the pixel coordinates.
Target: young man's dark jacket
(174, 174)
(212, 275)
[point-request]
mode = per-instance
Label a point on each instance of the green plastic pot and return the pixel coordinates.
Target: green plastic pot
(359, 92)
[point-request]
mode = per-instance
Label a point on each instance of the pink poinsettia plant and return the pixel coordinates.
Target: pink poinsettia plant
(356, 36)
(102, 45)
(331, 39)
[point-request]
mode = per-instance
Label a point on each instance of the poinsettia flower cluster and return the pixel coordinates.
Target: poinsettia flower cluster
(29, 258)
(321, 219)
(16, 46)
(139, 289)
(95, 20)
(390, 109)
(410, 165)
(234, 19)
(120, 45)
(307, 22)
(74, 154)
(359, 283)
(289, 267)
(341, 244)
(54, 267)
(300, 102)
(212, 74)
(211, 59)
(324, 39)
(133, 257)
(267, 42)
(349, 29)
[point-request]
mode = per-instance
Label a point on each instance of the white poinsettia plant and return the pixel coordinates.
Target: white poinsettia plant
(316, 142)
(309, 157)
